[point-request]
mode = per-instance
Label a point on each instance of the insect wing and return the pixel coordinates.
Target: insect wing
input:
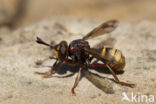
(105, 43)
(97, 54)
(106, 27)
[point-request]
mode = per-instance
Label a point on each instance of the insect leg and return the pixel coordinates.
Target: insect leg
(118, 81)
(77, 80)
(97, 65)
(48, 72)
(51, 72)
(69, 62)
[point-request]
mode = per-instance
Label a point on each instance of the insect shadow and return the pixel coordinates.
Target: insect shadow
(101, 82)
(74, 69)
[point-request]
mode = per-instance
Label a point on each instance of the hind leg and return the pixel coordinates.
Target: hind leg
(113, 73)
(118, 81)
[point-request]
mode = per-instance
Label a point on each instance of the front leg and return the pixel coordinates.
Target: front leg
(47, 73)
(53, 72)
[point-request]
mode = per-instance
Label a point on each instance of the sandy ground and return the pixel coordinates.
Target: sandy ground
(19, 52)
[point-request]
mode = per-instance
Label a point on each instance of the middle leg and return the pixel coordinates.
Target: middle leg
(77, 80)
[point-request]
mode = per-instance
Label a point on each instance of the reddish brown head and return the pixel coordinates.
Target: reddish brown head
(61, 50)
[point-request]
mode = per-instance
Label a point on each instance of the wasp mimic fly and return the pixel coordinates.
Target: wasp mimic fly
(80, 52)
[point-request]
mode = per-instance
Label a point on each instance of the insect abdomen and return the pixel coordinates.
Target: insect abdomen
(114, 55)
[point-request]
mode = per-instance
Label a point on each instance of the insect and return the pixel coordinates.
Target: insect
(80, 52)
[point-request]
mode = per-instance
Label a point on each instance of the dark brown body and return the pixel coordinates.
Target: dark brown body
(76, 51)
(78, 54)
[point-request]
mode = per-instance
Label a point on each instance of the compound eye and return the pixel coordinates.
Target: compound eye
(63, 49)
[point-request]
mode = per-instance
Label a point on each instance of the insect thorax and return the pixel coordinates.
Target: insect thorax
(76, 52)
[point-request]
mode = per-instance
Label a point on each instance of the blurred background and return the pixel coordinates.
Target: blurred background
(21, 13)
